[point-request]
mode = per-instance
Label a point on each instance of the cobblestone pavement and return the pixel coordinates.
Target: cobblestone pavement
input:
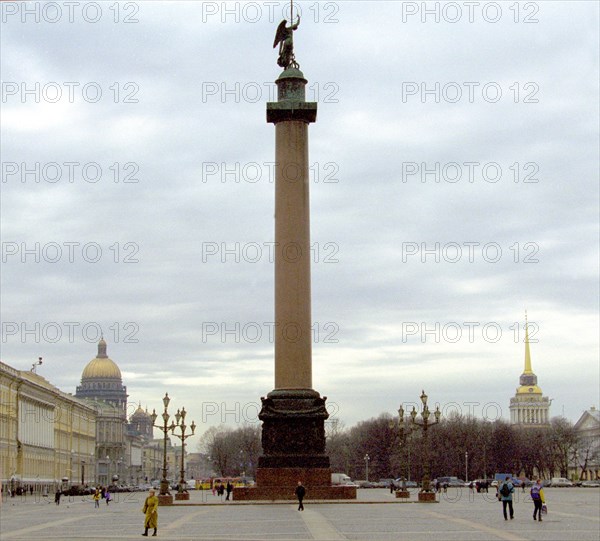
(376, 515)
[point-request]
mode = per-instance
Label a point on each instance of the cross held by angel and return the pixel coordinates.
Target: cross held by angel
(285, 39)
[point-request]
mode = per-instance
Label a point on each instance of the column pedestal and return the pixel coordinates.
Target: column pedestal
(165, 499)
(293, 441)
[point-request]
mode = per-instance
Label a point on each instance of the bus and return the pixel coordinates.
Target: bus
(208, 483)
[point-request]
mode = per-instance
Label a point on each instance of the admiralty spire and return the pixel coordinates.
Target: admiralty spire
(529, 407)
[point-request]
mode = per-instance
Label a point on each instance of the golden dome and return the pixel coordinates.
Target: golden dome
(101, 366)
(139, 412)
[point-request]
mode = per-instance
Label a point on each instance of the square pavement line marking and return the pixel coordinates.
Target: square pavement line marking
(502, 534)
(177, 523)
(319, 527)
(39, 527)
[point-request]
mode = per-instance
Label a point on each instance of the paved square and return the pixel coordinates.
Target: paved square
(573, 516)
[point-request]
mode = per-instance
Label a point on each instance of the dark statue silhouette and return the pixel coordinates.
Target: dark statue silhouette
(285, 39)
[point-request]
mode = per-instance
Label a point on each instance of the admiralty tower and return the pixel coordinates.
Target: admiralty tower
(529, 407)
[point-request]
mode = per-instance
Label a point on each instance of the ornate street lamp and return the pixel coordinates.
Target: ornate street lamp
(182, 493)
(367, 458)
(165, 497)
(426, 494)
(403, 432)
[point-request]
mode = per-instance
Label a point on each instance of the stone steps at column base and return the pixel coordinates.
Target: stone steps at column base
(287, 493)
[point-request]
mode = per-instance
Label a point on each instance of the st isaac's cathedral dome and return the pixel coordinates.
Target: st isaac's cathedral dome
(101, 380)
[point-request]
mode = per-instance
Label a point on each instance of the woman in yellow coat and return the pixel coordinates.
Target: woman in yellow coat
(151, 510)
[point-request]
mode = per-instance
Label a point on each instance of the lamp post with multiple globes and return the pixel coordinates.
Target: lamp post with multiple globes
(403, 433)
(182, 493)
(426, 494)
(164, 497)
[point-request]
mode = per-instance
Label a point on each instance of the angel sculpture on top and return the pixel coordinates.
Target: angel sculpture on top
(285, 39)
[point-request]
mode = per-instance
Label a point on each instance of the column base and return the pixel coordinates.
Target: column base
(293, 442)
(281, 483)
(427, 497)
(165, 499)
(402, 494)
(293, 431)
(182, 496)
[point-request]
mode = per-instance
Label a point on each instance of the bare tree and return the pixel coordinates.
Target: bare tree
(217, 445)
(563, 443)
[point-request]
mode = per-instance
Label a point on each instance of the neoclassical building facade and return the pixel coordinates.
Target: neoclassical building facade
(587, 457)
(529, 407)
(47, 437)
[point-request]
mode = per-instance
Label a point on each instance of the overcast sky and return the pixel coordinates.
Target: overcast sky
(420, 278)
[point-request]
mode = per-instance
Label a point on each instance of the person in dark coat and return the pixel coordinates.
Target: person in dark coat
(300, 493)
(57, 497)
(229, 489)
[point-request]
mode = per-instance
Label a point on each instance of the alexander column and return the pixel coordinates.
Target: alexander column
(293, 414)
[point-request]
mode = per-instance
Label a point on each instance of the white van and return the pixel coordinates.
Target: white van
(340, 479)
(560, 482)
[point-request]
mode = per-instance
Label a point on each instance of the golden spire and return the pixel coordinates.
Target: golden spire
(528, 369)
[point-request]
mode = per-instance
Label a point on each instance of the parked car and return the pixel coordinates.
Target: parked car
(366, 484)
(385, 483)
(381, 484)
(77, 491)
(560, 482)
(449, 481)
(593, 483)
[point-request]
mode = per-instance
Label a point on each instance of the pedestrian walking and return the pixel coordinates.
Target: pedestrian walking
(505, 490)
(57, 497)
(538, 499)
(97, 498)
(300, 493)
(229, 489)
(150, 509)
(108, 496)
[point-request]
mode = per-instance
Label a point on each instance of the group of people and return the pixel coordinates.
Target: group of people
(20, 491)
(220, 489)
(100, 493)
(506, 490)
